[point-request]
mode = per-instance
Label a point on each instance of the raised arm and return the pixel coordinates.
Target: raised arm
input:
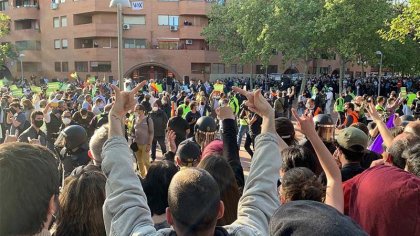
(125, 208)
(383, 130)
(259, 199)
(334, 193)
(230, 147)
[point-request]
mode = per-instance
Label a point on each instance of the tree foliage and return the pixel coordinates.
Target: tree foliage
(7, 50)
(406, 25)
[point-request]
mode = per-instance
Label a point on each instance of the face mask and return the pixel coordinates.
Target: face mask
(202, 103)
(155, 108)
(38, 123)
(66, 121)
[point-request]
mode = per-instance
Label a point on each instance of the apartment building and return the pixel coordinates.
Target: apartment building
(58, 37)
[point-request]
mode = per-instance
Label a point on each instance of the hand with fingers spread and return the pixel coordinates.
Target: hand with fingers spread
(124, 100)
(11, 138)
(224, 113)
(171, 140)
(256, 102)
(35, 141)
(373, 113)
(305, 123)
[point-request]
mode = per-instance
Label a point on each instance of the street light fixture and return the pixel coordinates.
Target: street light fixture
(21, 64)
(380, 72)
(120, 4)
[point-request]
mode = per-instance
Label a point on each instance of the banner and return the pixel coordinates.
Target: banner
(13, 87)
(17, 93)
(137, 5)
(54, 86)
(64, 87)
(36, 89)
(218, 88)
(159, 87)
(92, 80)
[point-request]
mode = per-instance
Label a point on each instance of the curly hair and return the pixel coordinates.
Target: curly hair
(301, 183)
(81, 205)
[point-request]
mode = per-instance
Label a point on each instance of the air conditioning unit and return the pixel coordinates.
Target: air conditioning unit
(54, 6)
(126, 26)
(188, 42)
(173, 28)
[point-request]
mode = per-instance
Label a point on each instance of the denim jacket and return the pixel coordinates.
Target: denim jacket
(126, 211)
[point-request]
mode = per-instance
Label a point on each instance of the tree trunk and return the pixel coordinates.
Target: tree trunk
(342, 74)
(318, 69)
(363, 70)
(304, 80)
(252, 75)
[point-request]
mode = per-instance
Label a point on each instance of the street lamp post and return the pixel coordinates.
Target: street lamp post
(120, 4)
(380, 72)
(21, 65)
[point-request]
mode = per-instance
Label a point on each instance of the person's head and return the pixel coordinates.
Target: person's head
(194, 202)
(15, 107)
(297, 156)
(412, 158)
(187, 101)
(413, 127)
(156, 185)
(96, 144)
(72, 138)
(179, 111)
(310, 103)
(29, 186)
(221, 171)
(27, 104)
(66, 117)
(88, 98)
(312, 218)
(286, 130)
(37, 119)
(325, 127)
(301, 183)
(213, 148)
(98, 102)
(380, 100)
(140, 110)
(193, 106)
(81, 202)
(205, 131)
(188, 154)
(351, 143)
(349, 107)
(401, 143)
(156, 105)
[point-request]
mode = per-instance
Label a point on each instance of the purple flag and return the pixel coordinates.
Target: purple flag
(376, 146)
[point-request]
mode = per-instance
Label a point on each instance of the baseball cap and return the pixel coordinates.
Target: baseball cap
(306, 217)
(350, 137)
(284, 127)
(188, 152)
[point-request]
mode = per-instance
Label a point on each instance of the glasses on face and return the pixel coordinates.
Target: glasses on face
(66, 116)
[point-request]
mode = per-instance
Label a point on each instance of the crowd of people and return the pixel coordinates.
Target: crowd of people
(85, 161)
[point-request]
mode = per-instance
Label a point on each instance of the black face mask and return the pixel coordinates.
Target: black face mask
(38, 123)
(202, 103)
(12, 110)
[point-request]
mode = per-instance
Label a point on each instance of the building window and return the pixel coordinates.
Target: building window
(240, 69)
(4, 5)
(134, 43)
(64, 66)
(168, 20)
(200, 68)
(168, 45)
(57, 43)
(56, 22)
(135, 20)
(270, 69)
(233, 69)
(28, 45)
(100, 66)
(218, 68)
(63, 21)
(81, 66)
(57, 66)
(64, 43)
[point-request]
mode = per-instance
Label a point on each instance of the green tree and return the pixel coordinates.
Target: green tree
(406, 25)
(7, 50)
(402, 57)
(294, 31)
(351, 27)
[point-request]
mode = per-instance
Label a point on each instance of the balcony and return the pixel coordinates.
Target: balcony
(190, 7)
(85, 6)
(190, 32)
(95, 30)
(23, 12)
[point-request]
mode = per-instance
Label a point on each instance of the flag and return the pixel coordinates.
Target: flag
(376, 146)
(92, 79)
(74, 75)
(218, 88)
(159, 87)
(17, 93)
(94, 90)
(64, 87)
(54, 85)
(154, 87)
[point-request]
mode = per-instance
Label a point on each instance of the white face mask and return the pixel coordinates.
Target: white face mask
(155, 108)
(66, 121)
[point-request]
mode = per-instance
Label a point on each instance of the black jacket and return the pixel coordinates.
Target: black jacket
(160, 121)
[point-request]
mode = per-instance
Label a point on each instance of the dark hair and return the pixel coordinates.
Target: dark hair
(36, 113)
(156, 185)
(14, 104)
(221, 171)
(81, 204)
(399, 146)
(298, 156)
(350, 105)
(362, 127)
(352, 156)
(395, 131)
(179, 111)
(193, 200)
(412, 157)
(301, 183)
(28, 179)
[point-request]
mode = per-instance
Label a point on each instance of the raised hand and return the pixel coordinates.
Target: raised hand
(35, 141)
(256, 102)
(124, 100)
(171, 140)
(373, 113)
(225, 113)
(11, 138)
(305, 123)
